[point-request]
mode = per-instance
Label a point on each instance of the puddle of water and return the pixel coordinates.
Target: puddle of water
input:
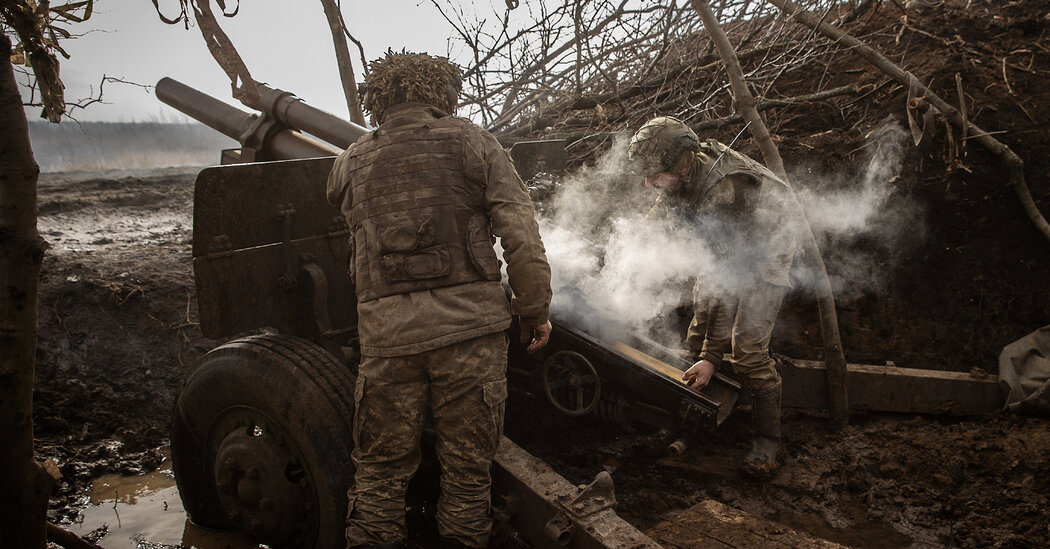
(145, 512)
(862, 533)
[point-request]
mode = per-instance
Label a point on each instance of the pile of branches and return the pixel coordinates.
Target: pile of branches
(594, 66)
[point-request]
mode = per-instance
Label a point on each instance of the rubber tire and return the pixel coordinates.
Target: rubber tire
(299, 386)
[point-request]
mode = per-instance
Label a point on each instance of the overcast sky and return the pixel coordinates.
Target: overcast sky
(288, 48)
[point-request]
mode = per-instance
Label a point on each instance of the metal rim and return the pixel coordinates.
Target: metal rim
(263, 487)
(568, 375)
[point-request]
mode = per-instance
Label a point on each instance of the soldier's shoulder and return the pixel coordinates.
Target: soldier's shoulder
(455, 121)
(365, 138)
(357, 147)
(464, 126)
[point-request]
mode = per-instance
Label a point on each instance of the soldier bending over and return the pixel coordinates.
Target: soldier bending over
(747, 215)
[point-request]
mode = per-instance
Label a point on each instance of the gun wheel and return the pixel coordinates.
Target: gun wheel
(261, 442)
(571, 383)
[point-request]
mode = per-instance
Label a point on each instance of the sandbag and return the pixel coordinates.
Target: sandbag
(1024, 373)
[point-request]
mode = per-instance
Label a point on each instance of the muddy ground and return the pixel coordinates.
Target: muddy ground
(118, 332)
(118, 319)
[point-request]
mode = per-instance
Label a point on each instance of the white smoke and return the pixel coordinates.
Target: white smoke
(635, 274)
(865, 223)
(615, 269)
(854, 210)
(612, 269)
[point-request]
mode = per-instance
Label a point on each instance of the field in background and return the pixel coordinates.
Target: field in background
(104, 146)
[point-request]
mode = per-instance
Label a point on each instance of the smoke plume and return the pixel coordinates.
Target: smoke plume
(615, 270)
(866, 223)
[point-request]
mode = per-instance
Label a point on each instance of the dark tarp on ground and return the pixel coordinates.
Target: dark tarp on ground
(1024, 373)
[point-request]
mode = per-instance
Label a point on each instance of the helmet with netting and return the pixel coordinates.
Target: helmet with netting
(656, 146)
(402, 77)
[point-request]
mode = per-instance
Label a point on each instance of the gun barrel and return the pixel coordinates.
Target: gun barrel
(293, 112)
(215, 114)
(237, 124)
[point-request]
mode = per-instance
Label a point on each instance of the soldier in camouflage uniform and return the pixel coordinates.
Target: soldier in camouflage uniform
(748, 216)
(424, 195)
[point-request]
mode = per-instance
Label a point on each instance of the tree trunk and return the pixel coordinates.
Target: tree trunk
(834, 359)
(1014, 164)
(24, 485)
(346, 67)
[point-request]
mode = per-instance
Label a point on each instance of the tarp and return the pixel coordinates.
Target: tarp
(1024, 373)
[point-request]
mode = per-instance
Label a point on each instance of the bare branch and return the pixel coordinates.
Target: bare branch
(342, 54)
(1013, 163)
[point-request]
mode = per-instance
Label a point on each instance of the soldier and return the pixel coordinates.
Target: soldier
(747, 215)
(424, 194)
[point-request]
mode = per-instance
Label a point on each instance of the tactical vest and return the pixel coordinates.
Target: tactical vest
(730, 236)
(417, 222)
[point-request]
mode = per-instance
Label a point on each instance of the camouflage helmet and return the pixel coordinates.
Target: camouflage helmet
(656, 146)
(403, 77)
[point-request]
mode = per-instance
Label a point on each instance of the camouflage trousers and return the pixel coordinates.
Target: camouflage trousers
(464, 387)
(741, 324)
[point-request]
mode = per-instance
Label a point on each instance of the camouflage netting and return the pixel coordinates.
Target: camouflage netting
(401, 77)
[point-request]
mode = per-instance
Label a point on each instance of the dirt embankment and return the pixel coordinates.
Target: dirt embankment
(970, 276)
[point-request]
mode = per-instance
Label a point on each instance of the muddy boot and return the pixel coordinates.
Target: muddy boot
(767, 447)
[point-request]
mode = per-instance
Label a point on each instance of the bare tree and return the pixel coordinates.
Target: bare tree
(24, 487)
(225, 53)
(342, 55)
(614, 63)
(25, 484)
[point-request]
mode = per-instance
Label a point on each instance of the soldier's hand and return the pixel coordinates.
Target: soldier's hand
(535, 336)
(699, 375)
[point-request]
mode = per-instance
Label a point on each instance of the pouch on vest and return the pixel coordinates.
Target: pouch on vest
(408, 252)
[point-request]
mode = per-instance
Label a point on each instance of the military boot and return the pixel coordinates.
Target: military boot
(767, 446)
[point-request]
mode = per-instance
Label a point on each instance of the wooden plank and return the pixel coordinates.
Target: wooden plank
(893, 389)
(871, 388)
(712, 525)
(654, 364)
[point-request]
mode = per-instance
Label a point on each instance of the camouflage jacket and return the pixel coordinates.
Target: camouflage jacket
(419, 321)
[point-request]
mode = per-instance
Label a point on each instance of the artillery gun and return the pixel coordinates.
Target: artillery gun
(261, 432)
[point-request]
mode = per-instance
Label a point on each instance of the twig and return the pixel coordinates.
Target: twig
(962, 104)
(188, 322)
(1020, 105)
(983, 134)
(116, 495)
(1006, 80)
(765, 104)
